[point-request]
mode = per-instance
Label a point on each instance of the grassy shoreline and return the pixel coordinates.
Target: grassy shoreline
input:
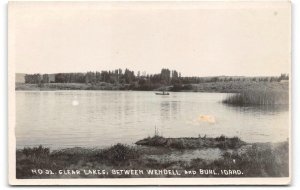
(223, 87)
(253, 160)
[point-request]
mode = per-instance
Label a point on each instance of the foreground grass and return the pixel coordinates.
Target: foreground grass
(258, 97)
(254, 160)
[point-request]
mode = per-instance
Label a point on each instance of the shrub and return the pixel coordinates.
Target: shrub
(118, 153)
(36, 151)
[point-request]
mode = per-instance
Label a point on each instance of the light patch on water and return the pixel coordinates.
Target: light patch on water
(201, 119)
(75, 103)
(207, 118)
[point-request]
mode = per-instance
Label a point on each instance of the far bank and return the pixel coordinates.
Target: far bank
(220, 86)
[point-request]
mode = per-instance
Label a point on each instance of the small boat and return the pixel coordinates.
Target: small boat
(162, 93)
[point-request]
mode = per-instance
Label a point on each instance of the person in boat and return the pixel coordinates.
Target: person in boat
(163, 93)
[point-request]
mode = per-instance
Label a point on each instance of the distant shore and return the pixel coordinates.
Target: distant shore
(158, 157)
(221, 86)
(246, 92)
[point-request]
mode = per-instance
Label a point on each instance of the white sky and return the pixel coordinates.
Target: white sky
(197, 39)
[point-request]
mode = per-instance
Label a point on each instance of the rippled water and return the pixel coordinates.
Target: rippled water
(61, 119)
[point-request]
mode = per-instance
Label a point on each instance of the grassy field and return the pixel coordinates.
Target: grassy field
(253, 160)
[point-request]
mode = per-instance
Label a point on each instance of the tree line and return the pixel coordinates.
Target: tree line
(137, 81)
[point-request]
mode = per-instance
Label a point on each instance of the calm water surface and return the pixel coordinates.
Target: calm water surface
(61, 119)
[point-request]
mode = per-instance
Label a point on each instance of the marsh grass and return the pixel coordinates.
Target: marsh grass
(41, 158)
(30, 158)
(260, 160)
(258, 97)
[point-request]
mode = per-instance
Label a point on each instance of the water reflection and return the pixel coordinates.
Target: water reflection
(175, 107)
(165, 110)
(169, 109)
(260, 109)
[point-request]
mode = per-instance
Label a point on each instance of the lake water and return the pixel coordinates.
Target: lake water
(60, 119)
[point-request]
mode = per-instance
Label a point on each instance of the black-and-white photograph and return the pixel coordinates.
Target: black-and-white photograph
(151, 92)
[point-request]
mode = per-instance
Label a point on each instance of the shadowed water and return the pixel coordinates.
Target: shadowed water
(60, 119)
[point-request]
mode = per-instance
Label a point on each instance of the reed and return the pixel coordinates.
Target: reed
(258, 97)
